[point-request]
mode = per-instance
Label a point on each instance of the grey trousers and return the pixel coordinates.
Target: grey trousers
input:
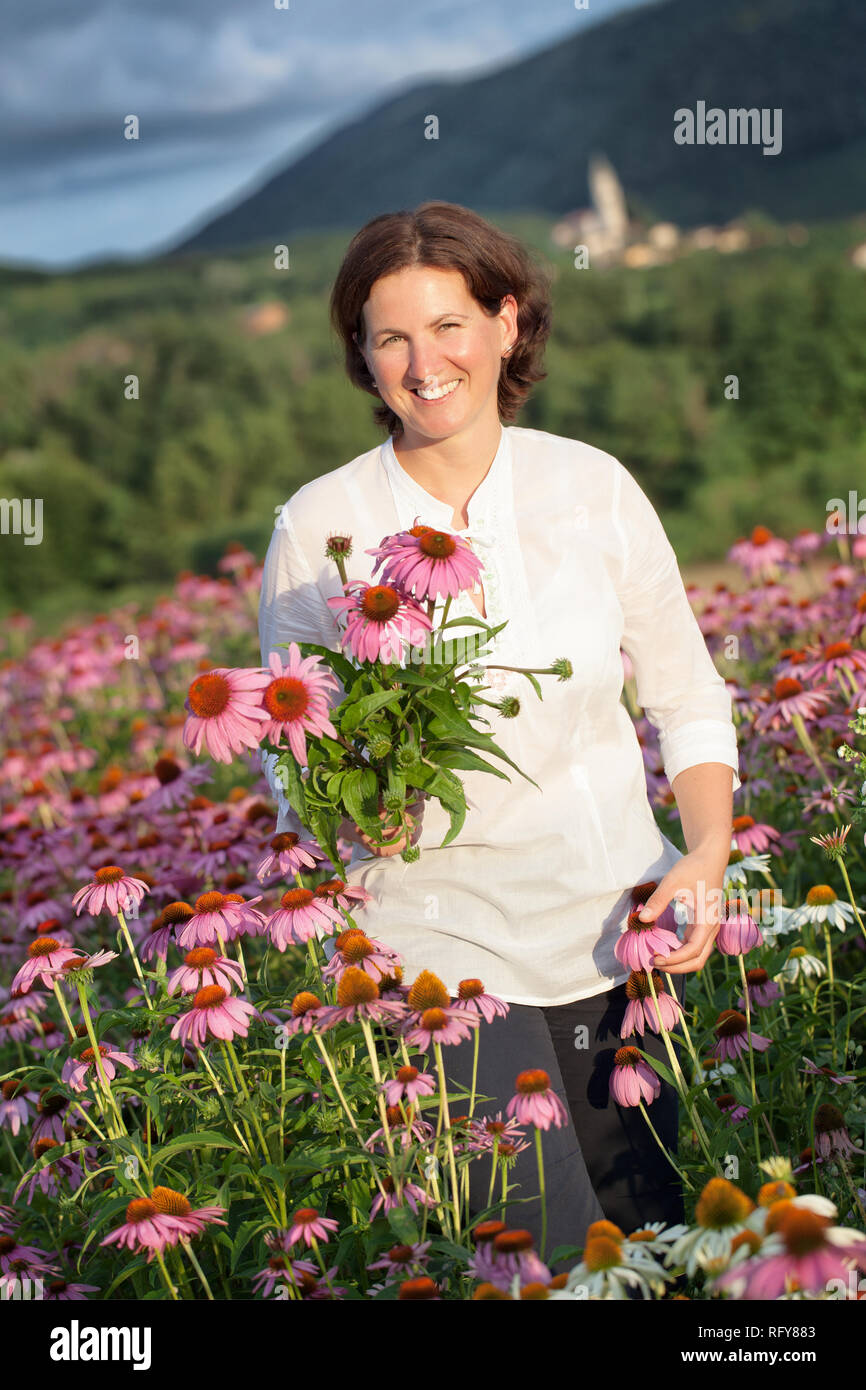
(605, 1163)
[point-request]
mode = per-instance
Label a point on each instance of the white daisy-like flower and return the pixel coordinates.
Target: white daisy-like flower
(714, 1073)
(614, 1281)
(653, 1238)
(722, 1212)
(801, 964)
(748, 864)
(822, 905)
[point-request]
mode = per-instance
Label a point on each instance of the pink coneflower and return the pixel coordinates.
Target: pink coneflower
(61, 1291)
(761, 554)
(428, 563)
(15, 1101)
(788, 702)
(45, 958)
(16, 1257)
(162, 928)
(175, 783)
(355, 947)
(632, 1079)
(535, 1102)
(831, 1133)
(641, 1011)
(358, 997)
(289, 855)
(488, 1132)
(297, 701)
(408, 1085)
(307, 1009)
(837, 656)
(111, 890)
(225, 711)
(411, 1195)
(348, 896)
(472, 996)
(732, 1034)
(202, 966)
(738, 933)
(177, 1207)
(145, 1228)
(641, 942)
(281, 1271)
(762, 990)
(731, 1108)
(214, 1013)
(47, 1178)
(801, 1251)
(76, 1070)
(749, 837)
(446, 1026)
(215, 915)
(300, 917)
(833, 842)
(401, 1260)
(307, 1225)
(835, 1077)
(500, 1254)
(379, 620)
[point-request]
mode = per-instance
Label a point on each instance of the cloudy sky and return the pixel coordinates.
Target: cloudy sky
(226, 91)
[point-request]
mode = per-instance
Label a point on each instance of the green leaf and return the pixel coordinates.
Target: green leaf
(358, 712)
(204, 1139)
(465, 760)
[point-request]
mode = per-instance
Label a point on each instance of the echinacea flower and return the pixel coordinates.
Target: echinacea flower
(732, 1033)
(408, 1085)
(379, 620)
(46, 957)
(300, 917)
(721, 1213)
(214, 1013)
(202, 966)
(641, 942)
(355, 947)
(472, 995)
(189, 1222)
(535, 1101)
(357, 998)
(802, 1250)
(307, 1225)
(611, 1266)
(297, 701)
(831, 1133)
(501, 1255)
(641, 1011)
(146, 1228)
(822, 905)
(835, 1077)
(289, 855)
(111, 890)
(77, 1069)
(738, 932)
(225, 712)
(761, 989)
(632, 1078)
(427, 563)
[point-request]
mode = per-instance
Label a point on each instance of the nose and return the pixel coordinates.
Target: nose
(424, 363)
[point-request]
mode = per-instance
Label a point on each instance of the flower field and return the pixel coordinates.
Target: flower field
(200, 1101)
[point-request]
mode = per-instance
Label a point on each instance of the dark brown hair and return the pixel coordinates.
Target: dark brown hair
(446, 236)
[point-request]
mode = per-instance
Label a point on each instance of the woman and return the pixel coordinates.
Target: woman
(444, 319)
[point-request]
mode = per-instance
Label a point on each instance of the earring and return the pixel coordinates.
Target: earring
(509, 349)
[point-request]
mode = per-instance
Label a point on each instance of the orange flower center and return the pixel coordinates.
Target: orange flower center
(295, 898)
(109, 874)
(532, 1082)
(626, 1057)
(201, 958)
(43, 947)
(786, 687)
(380, 603)
(428, 992)
(140, 1209)
(286, 699)
(303, 1002)
(210, 902)
(437, 545)
(356, 987)
(821, 895)
(208, 695)
(469, 989)
(209, 997)
(171, 1203)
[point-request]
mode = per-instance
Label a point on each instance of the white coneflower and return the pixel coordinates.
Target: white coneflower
(801, 964)
(822, 905)
(740, 864)
(713, 1069)
(722, 1213)
(611, 1266)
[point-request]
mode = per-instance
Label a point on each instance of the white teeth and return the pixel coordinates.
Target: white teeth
(435, 394)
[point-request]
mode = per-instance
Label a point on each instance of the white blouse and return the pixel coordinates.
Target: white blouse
(532, 893)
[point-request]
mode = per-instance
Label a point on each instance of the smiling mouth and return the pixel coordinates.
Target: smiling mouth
(440, 394)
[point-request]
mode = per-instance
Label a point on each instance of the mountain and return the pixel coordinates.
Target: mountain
(520, 138)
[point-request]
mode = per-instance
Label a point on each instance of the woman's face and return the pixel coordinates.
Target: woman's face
(422, 322)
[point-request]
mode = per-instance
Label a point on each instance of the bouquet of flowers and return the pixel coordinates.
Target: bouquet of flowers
(388, 720)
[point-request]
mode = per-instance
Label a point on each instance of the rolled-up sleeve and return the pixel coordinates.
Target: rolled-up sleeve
(291, 609)
(678, 686)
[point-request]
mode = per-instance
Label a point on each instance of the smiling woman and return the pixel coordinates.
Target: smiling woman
(444, 319)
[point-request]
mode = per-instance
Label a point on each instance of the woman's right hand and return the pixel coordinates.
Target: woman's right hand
(348, 830)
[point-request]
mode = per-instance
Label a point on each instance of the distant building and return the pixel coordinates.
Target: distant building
(260, 319)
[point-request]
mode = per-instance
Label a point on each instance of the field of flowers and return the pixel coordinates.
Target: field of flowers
(199, 1102)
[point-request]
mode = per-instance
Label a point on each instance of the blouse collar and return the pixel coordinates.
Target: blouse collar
(492, 486)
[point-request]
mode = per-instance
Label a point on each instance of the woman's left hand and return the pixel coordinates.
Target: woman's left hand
(697, 880)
